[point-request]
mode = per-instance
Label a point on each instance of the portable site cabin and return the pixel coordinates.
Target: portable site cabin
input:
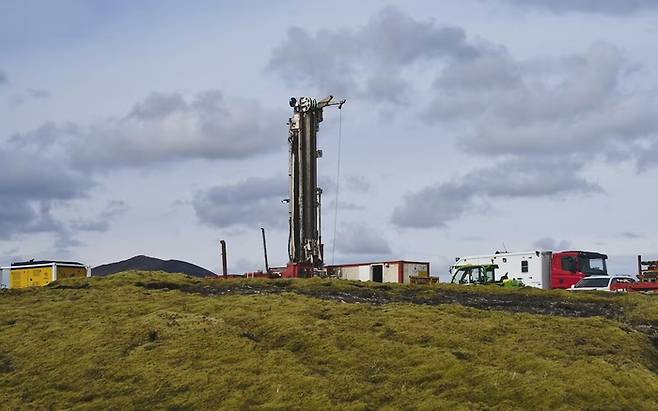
(399, 271)
(40, 273)
(533, 268)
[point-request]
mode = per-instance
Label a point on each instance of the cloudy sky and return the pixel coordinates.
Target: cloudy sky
(159, 127)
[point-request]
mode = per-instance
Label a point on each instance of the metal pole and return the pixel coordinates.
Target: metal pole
(267, 266)
(639, 267)
(224, 265)
(320, 224)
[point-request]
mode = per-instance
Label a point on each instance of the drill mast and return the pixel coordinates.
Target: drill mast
(305, 248)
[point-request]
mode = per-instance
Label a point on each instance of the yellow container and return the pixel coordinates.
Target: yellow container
(40, 273)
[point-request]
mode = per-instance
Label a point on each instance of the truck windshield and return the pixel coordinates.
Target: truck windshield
(592, 265)
(474, 275)
(462, 276)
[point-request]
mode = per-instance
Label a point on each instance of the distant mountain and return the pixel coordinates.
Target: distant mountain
(145, 263)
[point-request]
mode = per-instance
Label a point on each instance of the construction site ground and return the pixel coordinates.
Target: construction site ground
(139, 340)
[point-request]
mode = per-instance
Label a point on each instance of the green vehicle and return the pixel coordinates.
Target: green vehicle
(481, 274)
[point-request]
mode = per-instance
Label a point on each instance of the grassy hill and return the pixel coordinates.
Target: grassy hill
(144, 340)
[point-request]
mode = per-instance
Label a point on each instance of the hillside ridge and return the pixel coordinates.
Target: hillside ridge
(147, 263)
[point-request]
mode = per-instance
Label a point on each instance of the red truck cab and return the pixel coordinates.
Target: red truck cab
(569, 267)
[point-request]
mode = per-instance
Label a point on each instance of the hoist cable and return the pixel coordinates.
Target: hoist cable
(340, 138)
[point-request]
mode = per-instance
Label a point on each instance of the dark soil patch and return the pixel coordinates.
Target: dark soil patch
(546, 305)
(60, 286)
(5, 364)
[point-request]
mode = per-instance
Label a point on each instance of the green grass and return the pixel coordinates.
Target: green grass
(115, 343)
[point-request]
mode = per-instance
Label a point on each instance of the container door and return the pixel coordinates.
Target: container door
(378, 273)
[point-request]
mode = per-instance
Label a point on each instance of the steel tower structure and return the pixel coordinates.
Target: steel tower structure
(305, 248)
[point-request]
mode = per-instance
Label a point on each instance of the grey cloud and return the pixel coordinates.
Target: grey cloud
(29, 94)
(102, 222)
(361, 239)
(550, 244)
(114, 208)
(610, 7)
(64, 242)
(503, 106)
(575, 102)
(35, 177)
(158, 106)
(90, 225)
(497, 86)
(540, 119)
(357, 183)
(42, 137)
(530, 178)
(473, 238)
(345, 206)
(38, 93)
(631, 235)
(20, 216)
(165, 128)
(3, 78)
(435, 206)
(396, 38)
(492, 70)
(253, 202)
(387, 86)
(28, 192)
(56, 163)
(327, 184)
(647, 156)
(15, 216)
(338, 61)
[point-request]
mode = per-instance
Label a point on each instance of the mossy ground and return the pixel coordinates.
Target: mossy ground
(153, 340)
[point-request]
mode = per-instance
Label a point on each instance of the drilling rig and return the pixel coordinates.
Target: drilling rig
(305, 248)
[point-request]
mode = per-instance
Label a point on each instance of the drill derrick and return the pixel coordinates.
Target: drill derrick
(305, 249)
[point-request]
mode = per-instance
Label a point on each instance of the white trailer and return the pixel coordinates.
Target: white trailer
(398, 271)
(533, 268)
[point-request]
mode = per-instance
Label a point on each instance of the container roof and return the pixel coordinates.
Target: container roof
(37, 262)
(377, 263)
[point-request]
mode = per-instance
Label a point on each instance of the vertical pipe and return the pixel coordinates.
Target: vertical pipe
(224, 265)
(267, 266)
(320, 225)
